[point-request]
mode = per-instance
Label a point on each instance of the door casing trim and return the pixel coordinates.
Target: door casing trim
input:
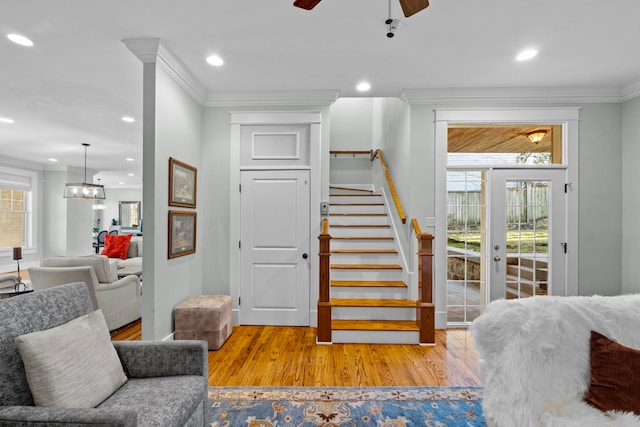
(237, 120)
(568, 117)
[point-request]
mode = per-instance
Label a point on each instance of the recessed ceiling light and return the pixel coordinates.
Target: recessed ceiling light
(6, 120)
(526, 54)
(130, 159)
(18, 39)
(363, 86)
(53, 160)
(128, 119)
(121, 183)
(130, 174)
(215, 60)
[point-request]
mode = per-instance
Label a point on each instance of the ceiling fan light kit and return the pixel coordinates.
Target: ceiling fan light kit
(409, 7)
(392, 26)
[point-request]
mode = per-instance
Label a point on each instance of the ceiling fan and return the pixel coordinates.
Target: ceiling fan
(409, 7)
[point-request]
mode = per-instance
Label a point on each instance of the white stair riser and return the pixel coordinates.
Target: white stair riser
(364, 259)
(374, 313)
(334, 209)
(375, 337)
(362, 244)
(380, 275)
(357, 220)
(360, 231)
(373, 293)
(355, 199)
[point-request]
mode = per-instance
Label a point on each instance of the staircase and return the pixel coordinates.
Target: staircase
(369, 301)
(526, 277)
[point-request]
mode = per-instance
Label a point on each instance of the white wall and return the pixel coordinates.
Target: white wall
(631, 196)
(111, 204)
(351, 130)
(600, 199)
(68, 223)
(392, 134)
(214, 190)
(177, 132)
(351, 124)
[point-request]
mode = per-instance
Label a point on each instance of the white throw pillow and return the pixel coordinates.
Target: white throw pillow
(73, 365)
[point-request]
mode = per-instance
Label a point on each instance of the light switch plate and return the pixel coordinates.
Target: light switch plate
(430, 221)
(324, 208)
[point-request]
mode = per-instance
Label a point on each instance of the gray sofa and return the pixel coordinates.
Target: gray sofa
(167, 381)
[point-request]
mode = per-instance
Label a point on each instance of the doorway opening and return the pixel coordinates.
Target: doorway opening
(505, 215)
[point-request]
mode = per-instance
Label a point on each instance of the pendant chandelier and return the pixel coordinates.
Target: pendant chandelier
(84, 190)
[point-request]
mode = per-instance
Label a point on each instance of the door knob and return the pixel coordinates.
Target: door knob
(305, 256)
(497, 258)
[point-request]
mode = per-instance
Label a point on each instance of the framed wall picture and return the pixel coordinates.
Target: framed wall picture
(182, 233)
(183, 180)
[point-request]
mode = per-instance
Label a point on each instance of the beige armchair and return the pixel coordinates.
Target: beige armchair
(8, 280)
(119, 299)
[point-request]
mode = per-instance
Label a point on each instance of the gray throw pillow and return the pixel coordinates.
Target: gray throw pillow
(72, 365)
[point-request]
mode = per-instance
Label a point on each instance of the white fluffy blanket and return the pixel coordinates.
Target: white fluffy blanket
(534, 358)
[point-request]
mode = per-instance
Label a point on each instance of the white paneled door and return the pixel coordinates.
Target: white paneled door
(274, 247)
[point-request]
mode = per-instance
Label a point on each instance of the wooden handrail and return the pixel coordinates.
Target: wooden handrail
(416, 226)
(394, 194)
(425, 310)
(324, 298)
(353, 152)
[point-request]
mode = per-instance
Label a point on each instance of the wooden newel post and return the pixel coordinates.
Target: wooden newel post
(324, 301)
(425, 308)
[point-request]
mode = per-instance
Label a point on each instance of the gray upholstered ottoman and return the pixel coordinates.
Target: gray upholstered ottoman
(204, 317)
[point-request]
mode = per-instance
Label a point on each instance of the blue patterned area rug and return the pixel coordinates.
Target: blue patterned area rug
(346, 406)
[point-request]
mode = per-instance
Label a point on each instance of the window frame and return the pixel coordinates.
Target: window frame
(30, 209)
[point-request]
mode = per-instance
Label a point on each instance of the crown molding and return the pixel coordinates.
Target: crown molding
(631, 90)
(272, 98)
(510, 96)
(146, 49)
(181, 74)
(151, 50)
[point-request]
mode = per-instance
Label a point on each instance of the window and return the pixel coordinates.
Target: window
(16, 208)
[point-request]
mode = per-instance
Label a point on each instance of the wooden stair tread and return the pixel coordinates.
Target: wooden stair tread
(336, 187)
(366, 267)
(359, 226)
(361, 238)
(364, 251)
(356, 204)
(368, 284)
(360, 302)
(364, 190)
(356, 195)
(374, 325)
(357, 214)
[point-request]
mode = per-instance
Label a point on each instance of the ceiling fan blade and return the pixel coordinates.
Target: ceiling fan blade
(306, 4)
(410, 7)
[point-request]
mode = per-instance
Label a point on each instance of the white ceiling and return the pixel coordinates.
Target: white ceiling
(79, 79)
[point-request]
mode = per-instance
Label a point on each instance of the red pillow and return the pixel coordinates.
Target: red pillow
(116, 245)
(615, 379)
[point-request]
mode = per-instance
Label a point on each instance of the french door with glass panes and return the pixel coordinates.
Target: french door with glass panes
(505, 237)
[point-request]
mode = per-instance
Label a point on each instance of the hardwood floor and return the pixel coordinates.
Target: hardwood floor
(289, 356)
